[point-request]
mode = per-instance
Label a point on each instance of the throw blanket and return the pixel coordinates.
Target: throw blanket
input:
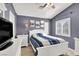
(51, 40)
(40, 40)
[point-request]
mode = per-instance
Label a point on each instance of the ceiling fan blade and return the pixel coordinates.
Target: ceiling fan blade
(43, 5)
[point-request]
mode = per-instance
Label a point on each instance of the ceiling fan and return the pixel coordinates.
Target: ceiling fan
(47, 5)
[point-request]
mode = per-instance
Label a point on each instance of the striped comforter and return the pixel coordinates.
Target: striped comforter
(40, 40)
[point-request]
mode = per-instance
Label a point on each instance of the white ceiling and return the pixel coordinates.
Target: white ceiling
(32, 9)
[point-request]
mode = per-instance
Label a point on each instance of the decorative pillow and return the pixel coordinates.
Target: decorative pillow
(39, 34)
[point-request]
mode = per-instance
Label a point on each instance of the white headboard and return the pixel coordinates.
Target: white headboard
(36, 31)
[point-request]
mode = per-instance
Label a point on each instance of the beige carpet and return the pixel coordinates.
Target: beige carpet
(27, 51)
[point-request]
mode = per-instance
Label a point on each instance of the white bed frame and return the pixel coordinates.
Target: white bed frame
(52, 50)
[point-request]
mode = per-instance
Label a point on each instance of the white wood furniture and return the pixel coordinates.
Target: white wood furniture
(13, 50)
(52, 50)
(24, 39)
(70, 52)
(76, 45)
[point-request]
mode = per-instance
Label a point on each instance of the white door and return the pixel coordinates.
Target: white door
(12, 19)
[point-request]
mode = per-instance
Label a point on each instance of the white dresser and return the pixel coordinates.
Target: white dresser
(24, 39)
(76, 45)
(13, 50)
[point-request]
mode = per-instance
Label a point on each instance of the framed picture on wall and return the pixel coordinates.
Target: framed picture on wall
(42, 25)
(37, 22)
(63, 27)
(42, 22)
(37, 26)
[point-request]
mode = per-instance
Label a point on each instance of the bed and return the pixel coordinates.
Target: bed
(46, 45)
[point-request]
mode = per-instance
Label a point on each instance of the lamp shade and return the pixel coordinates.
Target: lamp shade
(27, 25)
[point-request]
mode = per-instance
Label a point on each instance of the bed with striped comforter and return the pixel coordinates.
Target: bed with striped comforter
(40, 40)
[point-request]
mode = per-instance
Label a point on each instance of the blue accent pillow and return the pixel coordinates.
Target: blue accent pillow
(39, 34)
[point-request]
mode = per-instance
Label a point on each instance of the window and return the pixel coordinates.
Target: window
(63, 27)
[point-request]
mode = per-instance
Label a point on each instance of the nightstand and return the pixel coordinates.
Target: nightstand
(24, 39)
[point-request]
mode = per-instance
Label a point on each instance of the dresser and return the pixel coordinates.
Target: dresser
(76, 45)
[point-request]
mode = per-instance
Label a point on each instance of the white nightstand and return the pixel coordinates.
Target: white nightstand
(76, 45)
(24, 39)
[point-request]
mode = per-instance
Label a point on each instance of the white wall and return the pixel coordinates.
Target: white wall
(3, 8)
(46, 27)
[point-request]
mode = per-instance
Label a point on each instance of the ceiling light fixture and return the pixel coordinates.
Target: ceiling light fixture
(47, 5)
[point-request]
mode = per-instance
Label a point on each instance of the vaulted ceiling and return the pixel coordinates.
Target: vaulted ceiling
(32, 9)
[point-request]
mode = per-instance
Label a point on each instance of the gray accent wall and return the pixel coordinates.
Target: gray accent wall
(20, 24)
(73, 13)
